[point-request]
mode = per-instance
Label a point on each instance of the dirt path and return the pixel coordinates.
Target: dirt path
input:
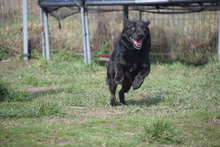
(43, 89)
(96, 112)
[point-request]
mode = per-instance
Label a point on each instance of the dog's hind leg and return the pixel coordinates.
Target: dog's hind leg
(110, 81)
(124, 89)
(119, 75)
(112, 88)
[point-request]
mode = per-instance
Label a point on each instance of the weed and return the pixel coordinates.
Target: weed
(31, 80)
(10, 94)
(162, 131)
(66, 56)
(30, 110)
(47, 108)
(4, 53)
(3, 92)
(35, 54)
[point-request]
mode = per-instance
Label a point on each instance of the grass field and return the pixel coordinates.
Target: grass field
(65, 102)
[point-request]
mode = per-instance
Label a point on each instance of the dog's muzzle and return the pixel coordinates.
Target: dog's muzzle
(137, 43)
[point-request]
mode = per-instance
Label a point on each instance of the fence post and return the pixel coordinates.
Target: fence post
(46, 36)
(219, 36)
(42, 33)
(84, 35)
(25, 31)
(87, 38)
(85, 32)
(125, 13)
(140, 15)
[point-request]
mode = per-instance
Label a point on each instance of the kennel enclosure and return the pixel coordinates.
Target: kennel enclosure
(61, 9)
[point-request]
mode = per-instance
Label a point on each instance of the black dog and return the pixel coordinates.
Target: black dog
(129, 63)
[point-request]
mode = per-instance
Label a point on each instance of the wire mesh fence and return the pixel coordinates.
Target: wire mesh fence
(190, 37)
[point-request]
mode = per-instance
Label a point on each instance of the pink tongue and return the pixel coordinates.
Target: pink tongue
(138, 43)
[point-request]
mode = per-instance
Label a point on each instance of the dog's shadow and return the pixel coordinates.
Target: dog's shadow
(145, 101)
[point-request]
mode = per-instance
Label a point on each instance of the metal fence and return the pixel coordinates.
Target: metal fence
(190, 37)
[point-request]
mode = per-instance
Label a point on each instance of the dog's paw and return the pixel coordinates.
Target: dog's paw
(136, 84)
(113, 101)
(118, 79)
(123, 102)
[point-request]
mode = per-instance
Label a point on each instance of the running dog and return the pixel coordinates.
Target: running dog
(129, 63)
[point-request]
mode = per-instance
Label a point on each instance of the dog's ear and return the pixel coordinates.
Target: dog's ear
(147, 22)
(127, 23)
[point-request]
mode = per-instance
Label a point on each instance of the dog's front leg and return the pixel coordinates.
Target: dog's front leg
(139, 78)
(119, 75)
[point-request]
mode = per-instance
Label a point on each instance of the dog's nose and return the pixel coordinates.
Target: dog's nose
(140, 36)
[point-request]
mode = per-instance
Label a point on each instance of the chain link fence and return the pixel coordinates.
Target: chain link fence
(188, 37)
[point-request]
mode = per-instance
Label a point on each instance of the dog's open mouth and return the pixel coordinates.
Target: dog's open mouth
(137, 43)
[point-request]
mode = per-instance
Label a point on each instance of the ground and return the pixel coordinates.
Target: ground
(65, 102)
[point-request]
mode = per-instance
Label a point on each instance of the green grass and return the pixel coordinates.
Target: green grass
(162, 131)
(178, 104)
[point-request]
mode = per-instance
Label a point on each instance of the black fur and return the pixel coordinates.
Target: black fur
(129, 63)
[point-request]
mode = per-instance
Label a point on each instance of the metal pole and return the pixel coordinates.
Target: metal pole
(84, 35)
(25, 31)
(140, 15)
(219, 36)
(125, 13)
(42, 33)
(87, 38)
(46, 36)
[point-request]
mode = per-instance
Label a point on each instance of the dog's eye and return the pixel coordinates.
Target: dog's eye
(132, 28)
(144, 29)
